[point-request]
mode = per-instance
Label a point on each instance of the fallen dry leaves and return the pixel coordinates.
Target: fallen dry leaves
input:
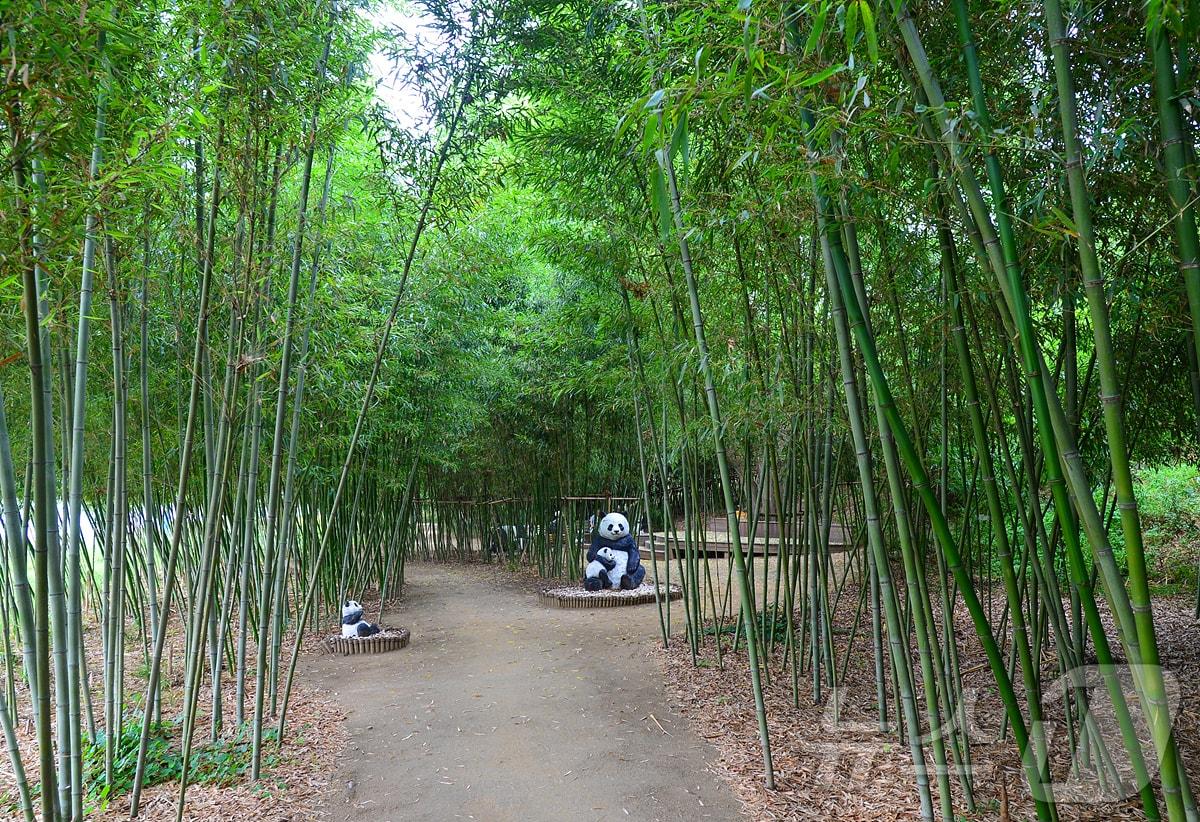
(295, 776)
(832, 762)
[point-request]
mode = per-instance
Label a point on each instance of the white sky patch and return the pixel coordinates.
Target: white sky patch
(400, 97)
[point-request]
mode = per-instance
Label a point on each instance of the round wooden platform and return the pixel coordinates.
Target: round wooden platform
(574, 596)
(389, 639)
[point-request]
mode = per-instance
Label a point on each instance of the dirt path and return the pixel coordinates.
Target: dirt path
(503, 709)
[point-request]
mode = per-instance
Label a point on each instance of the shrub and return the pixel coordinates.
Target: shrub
(1169, 504)
(1169, 501)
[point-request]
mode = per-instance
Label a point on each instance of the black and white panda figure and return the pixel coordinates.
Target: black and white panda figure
(607, 568)
(613, 533)
(353, 624)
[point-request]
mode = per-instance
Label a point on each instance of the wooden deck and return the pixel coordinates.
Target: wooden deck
(717, 543)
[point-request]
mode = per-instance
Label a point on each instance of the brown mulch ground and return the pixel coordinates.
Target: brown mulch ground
(295, 776)
(293, 782)
(832, 762)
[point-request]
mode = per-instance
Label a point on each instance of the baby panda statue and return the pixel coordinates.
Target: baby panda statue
(353, 625)
(607, 568)
(613, 533)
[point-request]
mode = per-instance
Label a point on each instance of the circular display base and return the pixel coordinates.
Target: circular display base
(389, 639)
(574, 596)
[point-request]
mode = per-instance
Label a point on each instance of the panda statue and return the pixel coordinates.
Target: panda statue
(607, 568)
(353, 624)
(613, 533)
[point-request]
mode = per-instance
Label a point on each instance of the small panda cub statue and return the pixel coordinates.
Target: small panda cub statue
(353, 625)
(608, 567)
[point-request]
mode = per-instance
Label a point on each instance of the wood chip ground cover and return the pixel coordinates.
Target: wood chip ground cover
(294, 777)
(833, 763)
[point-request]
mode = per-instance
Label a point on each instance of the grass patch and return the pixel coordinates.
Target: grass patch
(1168, 499)
(222, 762)
(776, 625)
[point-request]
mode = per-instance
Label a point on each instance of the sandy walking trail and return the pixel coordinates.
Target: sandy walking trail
(503, 709)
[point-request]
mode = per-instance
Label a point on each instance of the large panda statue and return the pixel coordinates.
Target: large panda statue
(353, 624)
(613, 533)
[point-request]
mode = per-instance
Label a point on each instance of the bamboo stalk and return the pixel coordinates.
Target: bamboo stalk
(181, 498)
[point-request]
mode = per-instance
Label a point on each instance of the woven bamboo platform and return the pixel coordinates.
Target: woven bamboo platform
(574, 596)
(390, 639)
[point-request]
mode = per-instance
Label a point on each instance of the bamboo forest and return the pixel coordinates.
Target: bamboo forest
(359, 358)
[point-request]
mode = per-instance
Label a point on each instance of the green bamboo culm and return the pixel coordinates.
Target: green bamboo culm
(1050, 423)
(908, 453)
(75, 480)
(14, 540)
(274, 483)
(181, 498)
(1110, 400)
(42, 503)
(989, 432)
(896, 631)
(666, 167)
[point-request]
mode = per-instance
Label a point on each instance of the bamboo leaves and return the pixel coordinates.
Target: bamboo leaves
(728, 231)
